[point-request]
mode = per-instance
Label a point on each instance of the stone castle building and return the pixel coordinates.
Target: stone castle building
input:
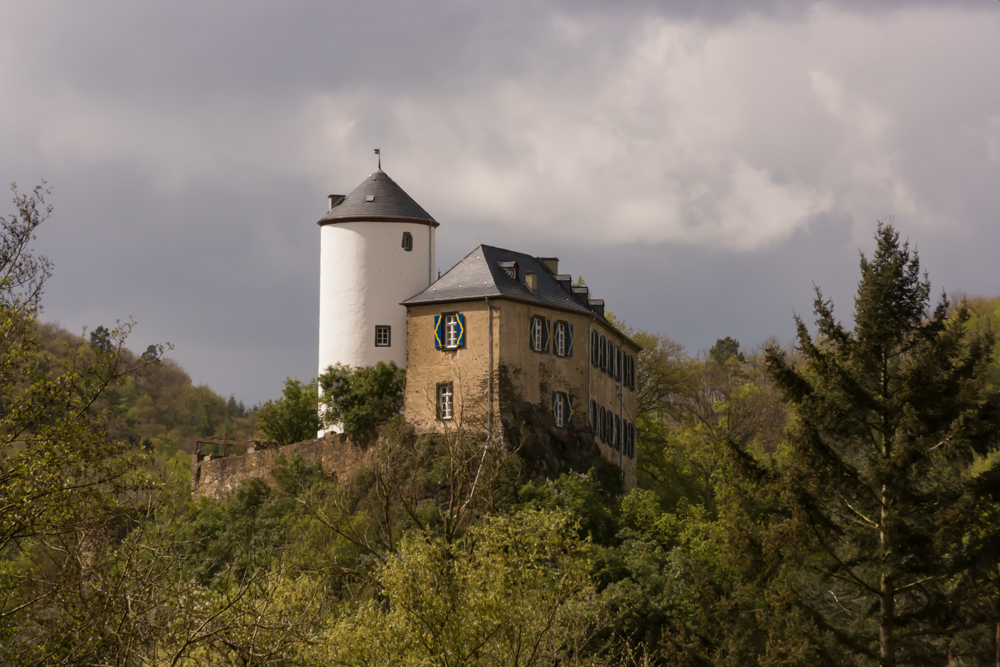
(499, 340)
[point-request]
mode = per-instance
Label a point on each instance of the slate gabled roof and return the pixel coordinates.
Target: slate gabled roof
(479, 275)
(389, 203)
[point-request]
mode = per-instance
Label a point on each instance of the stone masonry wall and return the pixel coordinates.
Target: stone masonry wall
(521, 377)
(215, 477)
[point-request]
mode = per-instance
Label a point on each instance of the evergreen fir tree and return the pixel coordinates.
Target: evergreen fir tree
(889, 539)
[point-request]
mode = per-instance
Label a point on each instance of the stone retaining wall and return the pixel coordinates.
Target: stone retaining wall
(214, 477)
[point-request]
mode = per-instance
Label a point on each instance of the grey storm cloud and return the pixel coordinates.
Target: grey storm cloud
(701, 164)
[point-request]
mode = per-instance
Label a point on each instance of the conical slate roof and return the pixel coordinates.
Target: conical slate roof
(378, 198)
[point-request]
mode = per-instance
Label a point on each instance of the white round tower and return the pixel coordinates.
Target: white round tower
(376, 250)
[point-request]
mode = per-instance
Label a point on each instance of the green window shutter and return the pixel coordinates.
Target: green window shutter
(569, 410)
(461, 330)
(438, 332)
(531, 333)
(555, 421)
(569, 343)
(545, 335)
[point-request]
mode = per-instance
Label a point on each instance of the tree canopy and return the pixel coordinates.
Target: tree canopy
(891, 472)
(830, 502)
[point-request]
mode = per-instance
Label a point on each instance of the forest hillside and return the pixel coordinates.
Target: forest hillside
(157, 407)
(835, 501)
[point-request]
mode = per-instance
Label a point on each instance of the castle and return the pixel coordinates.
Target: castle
(499, 339)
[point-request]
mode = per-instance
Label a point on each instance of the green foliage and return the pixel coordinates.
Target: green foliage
(984, 318)
(881, 511)
(292, 418)
(157, 403)
(62, 477)
(514, 591)
(362, 398)
(855, 523)
(725, 349)
(100, 340)
(589, 500)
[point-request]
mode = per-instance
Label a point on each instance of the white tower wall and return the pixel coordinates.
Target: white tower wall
(364, 274)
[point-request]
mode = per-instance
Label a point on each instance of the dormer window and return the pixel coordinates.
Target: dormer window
(510, 269)
(370, 198)
(407, 241)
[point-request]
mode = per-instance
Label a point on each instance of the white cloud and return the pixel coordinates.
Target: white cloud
(735, 135)
(198, 144)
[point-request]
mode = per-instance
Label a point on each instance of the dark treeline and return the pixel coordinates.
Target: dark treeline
(831, 502)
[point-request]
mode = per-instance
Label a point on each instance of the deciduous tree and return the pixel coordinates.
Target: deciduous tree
(359, 399)
(292, 418)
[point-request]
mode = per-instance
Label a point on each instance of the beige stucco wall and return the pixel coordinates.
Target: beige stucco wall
(467, 368)
(528, 376)
(614, 395)
(535, 375)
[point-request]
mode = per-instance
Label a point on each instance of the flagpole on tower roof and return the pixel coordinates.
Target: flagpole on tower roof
(378, 151)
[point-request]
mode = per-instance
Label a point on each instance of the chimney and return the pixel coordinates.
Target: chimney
(334, 200)
(550, 263)
(531, 281)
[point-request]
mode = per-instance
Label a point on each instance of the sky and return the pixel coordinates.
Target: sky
(702, 164)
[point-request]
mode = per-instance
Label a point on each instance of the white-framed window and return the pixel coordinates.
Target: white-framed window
(451, 330)
(537, 334)
(561, 335)
(559, 407)
(445, 401)
(383, 335)
(604, 353)
(407, 241)
(615, 356)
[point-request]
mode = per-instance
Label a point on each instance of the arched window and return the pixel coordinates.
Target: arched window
(407, 241)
